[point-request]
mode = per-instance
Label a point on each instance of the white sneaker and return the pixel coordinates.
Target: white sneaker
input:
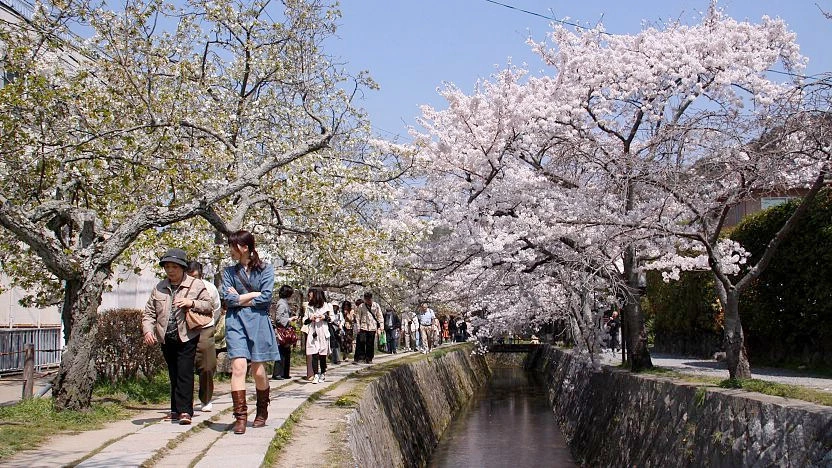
(323, 378)
(207, 407)
(316, 379)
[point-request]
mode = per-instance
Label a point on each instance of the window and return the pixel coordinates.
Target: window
(768, 202)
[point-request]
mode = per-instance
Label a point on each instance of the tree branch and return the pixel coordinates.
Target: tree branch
(53, 255)
(153, 216)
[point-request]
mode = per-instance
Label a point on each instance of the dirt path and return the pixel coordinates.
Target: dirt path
(319, 437)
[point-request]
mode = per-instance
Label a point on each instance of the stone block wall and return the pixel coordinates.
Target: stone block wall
(402, 415)
(614, 418)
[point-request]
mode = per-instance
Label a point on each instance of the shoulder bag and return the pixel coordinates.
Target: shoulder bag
(194, 320)
(286, 336)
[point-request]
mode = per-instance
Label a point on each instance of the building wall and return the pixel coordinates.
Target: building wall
(12, 314)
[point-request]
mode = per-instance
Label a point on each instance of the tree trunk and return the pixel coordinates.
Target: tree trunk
(735, 355)
(76, 376)
(636, 330)
(71, 289)
(590, 329)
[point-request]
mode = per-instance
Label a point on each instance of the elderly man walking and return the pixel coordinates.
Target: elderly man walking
(426, 327)
(369, 321)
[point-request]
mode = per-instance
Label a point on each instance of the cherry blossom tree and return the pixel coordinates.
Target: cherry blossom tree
(785, 147)
(596, 153)
(165, 120)
(485, 212)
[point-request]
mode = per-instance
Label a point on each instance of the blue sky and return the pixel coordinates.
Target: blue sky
(411, 47)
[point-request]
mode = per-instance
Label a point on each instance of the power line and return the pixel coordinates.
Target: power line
(568, 23)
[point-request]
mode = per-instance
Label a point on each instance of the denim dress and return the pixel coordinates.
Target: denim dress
(249, 332)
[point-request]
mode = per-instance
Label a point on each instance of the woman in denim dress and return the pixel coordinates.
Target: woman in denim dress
(247, 290)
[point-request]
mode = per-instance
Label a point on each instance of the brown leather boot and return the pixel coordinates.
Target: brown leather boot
(238, 398)
(262, 408)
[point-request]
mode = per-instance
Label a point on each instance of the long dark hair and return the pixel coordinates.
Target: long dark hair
(346, 306)
(318, 298)
(246, 238)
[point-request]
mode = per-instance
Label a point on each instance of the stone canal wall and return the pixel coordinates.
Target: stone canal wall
(402, 415)
(614, 418)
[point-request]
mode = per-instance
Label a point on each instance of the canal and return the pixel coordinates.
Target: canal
(509, 423)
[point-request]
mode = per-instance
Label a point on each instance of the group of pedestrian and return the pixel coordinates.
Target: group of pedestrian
(184, 314)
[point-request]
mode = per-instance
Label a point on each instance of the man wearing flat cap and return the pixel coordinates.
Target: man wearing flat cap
(163, 321)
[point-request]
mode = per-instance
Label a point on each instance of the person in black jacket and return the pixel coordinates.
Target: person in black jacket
(392, 325)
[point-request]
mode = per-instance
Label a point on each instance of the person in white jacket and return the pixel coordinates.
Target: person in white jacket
(317, 317)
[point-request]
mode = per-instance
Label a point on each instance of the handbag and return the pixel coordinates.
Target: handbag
(286, 336)
(196, 320)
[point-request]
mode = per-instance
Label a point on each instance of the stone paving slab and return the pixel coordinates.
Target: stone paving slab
(65, 449)
(143, 444)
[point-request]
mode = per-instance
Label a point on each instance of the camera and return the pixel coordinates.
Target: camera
(314, 335)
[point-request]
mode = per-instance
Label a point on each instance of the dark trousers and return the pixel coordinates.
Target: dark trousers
(308, 358)
(335, 346)
(392, 338)
(365, 346)
(180, 360)
(316, 359)
(206, 364)
(281, 367)
(346, 341)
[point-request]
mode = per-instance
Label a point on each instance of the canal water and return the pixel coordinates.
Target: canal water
(508, 424)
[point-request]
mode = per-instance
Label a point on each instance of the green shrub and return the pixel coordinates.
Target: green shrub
(787, 312)
(684, 316)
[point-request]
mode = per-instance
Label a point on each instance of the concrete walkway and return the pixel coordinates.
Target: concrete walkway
(712, 368)
(146, 440)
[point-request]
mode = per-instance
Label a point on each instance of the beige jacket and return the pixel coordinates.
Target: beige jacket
(157, 310)
(364, 317)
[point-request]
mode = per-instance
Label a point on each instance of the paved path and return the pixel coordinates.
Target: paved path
(148, 441)
(712, 368)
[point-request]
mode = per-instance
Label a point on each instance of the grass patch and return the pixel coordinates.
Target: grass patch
(346, 401)
(796, 392)
(690, 378)
(30, 423)
(142, 391)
